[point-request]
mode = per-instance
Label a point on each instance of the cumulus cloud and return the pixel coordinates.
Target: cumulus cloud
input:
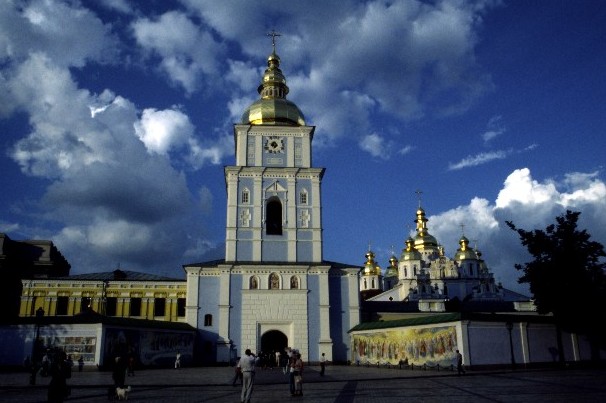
(51, 27)
(376, 145)
(162, 131)
(113, 198)
(430, 54)
(529, 204)
(187, 53)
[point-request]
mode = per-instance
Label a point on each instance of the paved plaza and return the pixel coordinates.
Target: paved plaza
(342, 384)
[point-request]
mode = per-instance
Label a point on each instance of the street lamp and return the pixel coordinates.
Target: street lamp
(513, 360)
(36, 348)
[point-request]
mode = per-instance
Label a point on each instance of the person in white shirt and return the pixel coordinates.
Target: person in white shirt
(247, 365)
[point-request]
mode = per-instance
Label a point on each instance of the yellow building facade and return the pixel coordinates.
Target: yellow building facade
(124, 294)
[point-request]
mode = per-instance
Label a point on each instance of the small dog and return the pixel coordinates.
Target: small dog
(122, 393)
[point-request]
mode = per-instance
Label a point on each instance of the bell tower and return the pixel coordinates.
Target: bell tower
(273, 192)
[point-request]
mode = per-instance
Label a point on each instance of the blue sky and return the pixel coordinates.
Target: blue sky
(116, 121)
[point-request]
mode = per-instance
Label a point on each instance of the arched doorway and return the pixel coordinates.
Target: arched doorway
(272, 342)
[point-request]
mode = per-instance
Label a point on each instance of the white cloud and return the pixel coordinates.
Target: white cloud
(494, 129)
(376, 145)
(162, 131)
(188, 54)
(479, 159)
(107, 193)
(117, 5)
(425, 51)
(529, 204)
(519, 187)
(405, 150)
(67, 33)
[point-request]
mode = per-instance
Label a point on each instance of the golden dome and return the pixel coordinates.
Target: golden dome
(410, 253)
(370, 267)
(392, 270)
(464, 251)
(273, 108)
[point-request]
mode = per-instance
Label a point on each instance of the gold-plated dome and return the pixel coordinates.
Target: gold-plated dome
(392, 270)
(423, 240)
(273, 108)
(370, 267)
(410, 253)
(464, 251)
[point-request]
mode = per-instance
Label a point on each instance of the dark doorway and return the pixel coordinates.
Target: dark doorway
(274, 341)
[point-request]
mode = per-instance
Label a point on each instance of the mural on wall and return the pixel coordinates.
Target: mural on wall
(158, 348)
(148, 348)
(76, 347)
(410, 346)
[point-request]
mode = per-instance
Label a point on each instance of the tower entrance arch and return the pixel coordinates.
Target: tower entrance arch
(273, 341)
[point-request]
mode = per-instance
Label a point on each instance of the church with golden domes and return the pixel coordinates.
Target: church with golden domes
(425, 275)
(273, 289)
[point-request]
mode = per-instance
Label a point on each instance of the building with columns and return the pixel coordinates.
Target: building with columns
(273, 289)
(119, 293)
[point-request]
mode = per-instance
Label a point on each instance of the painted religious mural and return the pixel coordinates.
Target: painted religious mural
(408, 346)
(147, 347)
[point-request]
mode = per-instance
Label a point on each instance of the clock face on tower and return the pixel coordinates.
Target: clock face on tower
(274, 145)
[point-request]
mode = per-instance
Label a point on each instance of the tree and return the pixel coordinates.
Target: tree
(567, 277)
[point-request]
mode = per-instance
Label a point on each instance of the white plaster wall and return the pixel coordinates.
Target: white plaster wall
(264, 310)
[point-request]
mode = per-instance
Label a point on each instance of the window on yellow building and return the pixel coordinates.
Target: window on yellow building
(62, 303)
(85, 304)
(159, 306)
(180, 307)
(135, 307)
(110, 306)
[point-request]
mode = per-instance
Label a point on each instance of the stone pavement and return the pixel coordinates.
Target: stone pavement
(342, 384)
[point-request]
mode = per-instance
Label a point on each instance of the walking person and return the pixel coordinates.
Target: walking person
(322, 364)
(178, 360)
(247, 365)
(298, 375)
(292, 359)
(460, 369)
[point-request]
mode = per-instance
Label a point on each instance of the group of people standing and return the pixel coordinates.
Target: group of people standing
(293, 367)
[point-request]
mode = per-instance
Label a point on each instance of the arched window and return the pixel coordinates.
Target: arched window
(303, 197)
(273, 218)
(274, 281)
(208, 320)
(294, 283)
(254, 283)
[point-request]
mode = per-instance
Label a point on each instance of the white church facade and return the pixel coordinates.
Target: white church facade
(273, 289)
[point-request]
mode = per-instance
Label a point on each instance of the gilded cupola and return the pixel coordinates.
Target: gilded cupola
(273, 108)
(392, 269)
(423, 240)
(410, 252)
(464, 251)
(371, 268)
